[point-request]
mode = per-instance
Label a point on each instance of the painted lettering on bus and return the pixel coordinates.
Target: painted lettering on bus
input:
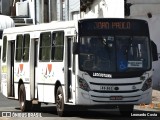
(102, 75)
(112, 25)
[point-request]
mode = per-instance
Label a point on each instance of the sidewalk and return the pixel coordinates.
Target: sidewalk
(156, 96)
(155, 105)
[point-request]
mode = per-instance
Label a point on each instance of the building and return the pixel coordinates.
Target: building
(61, 10)
(28, 12)
(102, 8)
(19, 10)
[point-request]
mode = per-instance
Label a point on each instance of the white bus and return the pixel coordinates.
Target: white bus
(89, 62)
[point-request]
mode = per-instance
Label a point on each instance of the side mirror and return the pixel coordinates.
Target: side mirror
(154, 51)
(75, 48)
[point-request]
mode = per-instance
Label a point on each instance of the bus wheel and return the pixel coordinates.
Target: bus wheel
(126, 110)
(60, 101)
(36, 107)
(24, 105)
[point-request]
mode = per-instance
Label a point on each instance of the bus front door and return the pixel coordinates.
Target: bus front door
(33, 67)
(69, 70)
(11, 52)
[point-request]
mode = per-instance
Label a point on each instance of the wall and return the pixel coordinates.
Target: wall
(31, 4)
(70, 6)
(74, 8)
(105, 8)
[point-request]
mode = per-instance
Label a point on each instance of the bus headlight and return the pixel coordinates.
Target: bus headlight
(83, 84)
(147, 84)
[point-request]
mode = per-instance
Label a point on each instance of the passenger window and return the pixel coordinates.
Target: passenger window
(26, 44)
(57, 46)
(4, 48)
(19, 42)
(45, 46)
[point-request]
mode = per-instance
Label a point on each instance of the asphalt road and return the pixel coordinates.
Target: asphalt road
(48, 112)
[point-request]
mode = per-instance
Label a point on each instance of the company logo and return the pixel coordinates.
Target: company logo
(19, 114)
(6, 114)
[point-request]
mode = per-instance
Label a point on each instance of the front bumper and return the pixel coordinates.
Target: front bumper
(95, 98)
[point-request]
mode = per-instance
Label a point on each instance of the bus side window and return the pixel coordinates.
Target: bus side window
(4, 48)
(19, 41)
(26, 45)
(57, 46)
(45, 46)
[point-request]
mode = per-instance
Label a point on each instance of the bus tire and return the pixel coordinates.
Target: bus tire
(36, 107)
(24, 104)
(60, 102)
(126, 110)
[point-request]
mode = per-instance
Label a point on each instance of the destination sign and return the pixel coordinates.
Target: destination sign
(106, 26)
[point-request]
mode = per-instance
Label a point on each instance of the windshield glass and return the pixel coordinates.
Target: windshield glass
(114, 53)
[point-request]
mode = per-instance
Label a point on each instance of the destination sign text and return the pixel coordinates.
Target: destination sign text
(112, 25)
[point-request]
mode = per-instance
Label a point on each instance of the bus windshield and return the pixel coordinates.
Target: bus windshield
(114, 53)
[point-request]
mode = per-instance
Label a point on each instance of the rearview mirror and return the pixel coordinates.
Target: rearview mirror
(75, 48)
(154, 51)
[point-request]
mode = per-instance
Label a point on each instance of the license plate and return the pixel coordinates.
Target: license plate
(116, 98)
(106, 88)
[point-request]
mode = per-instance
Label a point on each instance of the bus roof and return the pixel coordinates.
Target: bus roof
(41, 27)
(6, 22)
